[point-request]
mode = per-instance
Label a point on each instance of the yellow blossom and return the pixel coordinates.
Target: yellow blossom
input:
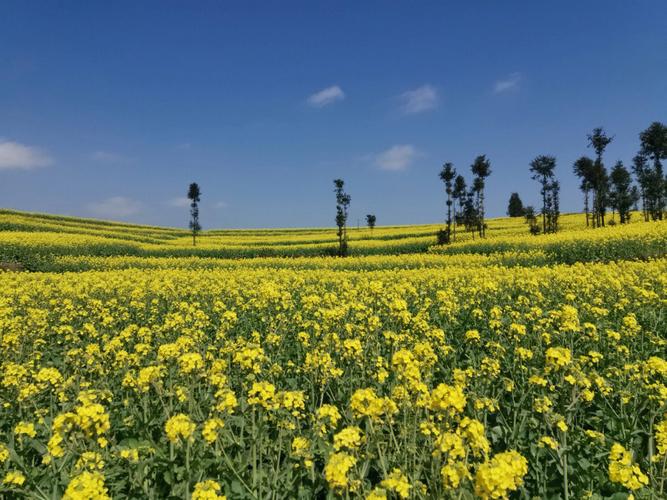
(549, 442)
(364, 402)
(349, 438)
(447, 398)
(453, 474)
(179, 427)
(14, 478)
(501, 475)
(558, 357)
(210, 429)
(207, 490)
(25, 429)
(398, 482)
(337, 469)
(86, 486)
(263, 394)
(623, 471)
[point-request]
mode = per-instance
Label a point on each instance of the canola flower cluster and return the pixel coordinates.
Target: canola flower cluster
(457, 381)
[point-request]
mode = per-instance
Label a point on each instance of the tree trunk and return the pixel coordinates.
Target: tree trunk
(544, 205)
(449, 213)
(481, 214)
(644, 207)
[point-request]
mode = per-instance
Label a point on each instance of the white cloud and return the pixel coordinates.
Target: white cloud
(420, 99)
(21, 157)
(397, 157)
(220, 204)
(507, 84)
(326, 96)
(116, 206)
(108, 157)
(179, 202)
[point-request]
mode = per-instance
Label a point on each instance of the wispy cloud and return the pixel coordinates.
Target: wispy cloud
(108, 157)
(14, 155)
(421, 99)
(326, 96)
(397, 158)
(510, 83)
(179, 202)
(220, 204)
(116, 206)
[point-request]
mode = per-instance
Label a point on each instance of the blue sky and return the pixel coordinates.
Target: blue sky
(110, 109)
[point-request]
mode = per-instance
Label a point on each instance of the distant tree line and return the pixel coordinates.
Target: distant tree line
(615, 190)
(602, 191)
(465, 206)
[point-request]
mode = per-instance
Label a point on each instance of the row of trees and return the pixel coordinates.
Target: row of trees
(615, 190)
(647, 167)
(465, 206)
(603, 189)
(542, 168)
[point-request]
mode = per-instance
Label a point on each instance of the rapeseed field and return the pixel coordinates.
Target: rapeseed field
(517, 366)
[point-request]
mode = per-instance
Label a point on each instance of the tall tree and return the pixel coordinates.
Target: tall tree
(481, 169)
(515, 206)
(342, 203)
(470, 211)
(583, 168)
(370, 222)
(542, 168)
(621, 195)
(599, 140)
(601, 191)
(447, 175)
(477, 192)
(553, 205)
(643, 175)
(654, 147)
(635, 196)
(459, 194)
(194, 195)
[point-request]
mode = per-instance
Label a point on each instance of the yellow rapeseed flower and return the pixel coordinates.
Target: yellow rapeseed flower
(179, 427)
(14, 478)
(87, 486)
(398, 482)
(207, 490)
(337, 469)
(501, 475)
